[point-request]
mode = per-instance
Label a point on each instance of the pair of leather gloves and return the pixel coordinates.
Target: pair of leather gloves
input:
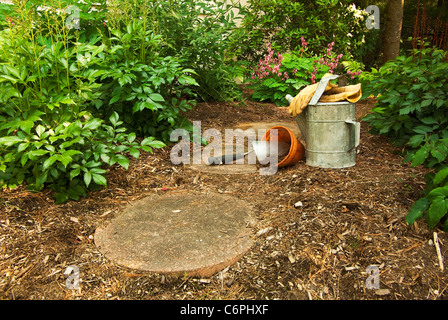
(332, 93)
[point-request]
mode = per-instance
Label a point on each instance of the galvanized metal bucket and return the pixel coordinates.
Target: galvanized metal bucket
(331, 133)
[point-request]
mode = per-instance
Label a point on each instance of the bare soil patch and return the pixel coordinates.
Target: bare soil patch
(317, 229)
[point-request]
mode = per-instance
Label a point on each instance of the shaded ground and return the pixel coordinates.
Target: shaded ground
(318, 229)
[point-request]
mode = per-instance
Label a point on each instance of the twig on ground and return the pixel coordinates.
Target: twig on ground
(439, 254)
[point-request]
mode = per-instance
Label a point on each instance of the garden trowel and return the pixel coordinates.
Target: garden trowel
(262, 151)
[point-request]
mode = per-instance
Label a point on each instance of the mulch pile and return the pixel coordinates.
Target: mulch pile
(317, 232)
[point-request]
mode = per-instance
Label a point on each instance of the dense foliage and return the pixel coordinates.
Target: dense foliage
(412, 110)
(84, 85)
(282, 23)
(48, 136)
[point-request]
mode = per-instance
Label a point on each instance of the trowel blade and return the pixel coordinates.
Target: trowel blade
(265, 149)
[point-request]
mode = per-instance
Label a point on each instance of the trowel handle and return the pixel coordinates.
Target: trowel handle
(289, 98)
(225, 159)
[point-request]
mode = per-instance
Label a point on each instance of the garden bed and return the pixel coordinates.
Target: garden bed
(317, 229)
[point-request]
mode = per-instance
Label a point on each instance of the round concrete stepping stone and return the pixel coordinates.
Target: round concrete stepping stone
(193, 234)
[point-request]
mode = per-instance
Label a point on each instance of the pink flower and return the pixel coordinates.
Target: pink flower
(304, 44)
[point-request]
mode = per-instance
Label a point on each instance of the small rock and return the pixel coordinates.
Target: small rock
(262, 231)
(204, 280)
(382, 292)
(298, 204)
(74, 219)
(175, 211)
(326, 290)
(291, 258)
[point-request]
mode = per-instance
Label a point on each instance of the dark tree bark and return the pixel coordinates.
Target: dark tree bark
(392, 33)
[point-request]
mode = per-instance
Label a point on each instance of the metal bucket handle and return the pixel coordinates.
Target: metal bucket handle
(357, 127)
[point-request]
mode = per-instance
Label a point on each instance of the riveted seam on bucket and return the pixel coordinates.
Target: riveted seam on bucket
(328, 121)
(330, 152)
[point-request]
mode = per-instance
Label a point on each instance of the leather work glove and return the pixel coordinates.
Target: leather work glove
(304, 97)
(350, 93)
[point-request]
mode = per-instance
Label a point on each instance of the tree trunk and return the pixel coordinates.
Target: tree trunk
(392, 33)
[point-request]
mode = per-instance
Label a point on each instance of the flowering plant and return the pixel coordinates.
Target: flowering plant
(277, 75)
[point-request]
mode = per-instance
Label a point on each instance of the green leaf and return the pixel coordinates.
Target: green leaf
(49, 162)
(150, 141)
(422, 129)
(416, 140)
(22, 146)
(65, 159)
(71, 142)
(156, 97)
(426, 103)
(40, 130)
(9, 141)
(440, 192)
(437, 210)
(87, 178)
(428, 120)
(36, 153)
(131, 137)
(417, 210)
(440, 176)
(75, 172)
(123, 161)
(114, 99)
(420, 156)
(99, 179)
(26, 125)
(114, 118)
(134, 152)
(439, 153)
(105, 158)
(71, 152)
(93, 124)
(67, 101)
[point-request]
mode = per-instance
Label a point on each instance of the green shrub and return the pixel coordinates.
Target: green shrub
(277, 75)
(197, 33)
(148, 91)
(282, 23)
(48, 138)
(412, 110)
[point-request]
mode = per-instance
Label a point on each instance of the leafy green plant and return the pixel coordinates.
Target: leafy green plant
(48, 138)
(277, 75)
(412, 110)
(197, 33)
(282, 23)
(148, 91)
